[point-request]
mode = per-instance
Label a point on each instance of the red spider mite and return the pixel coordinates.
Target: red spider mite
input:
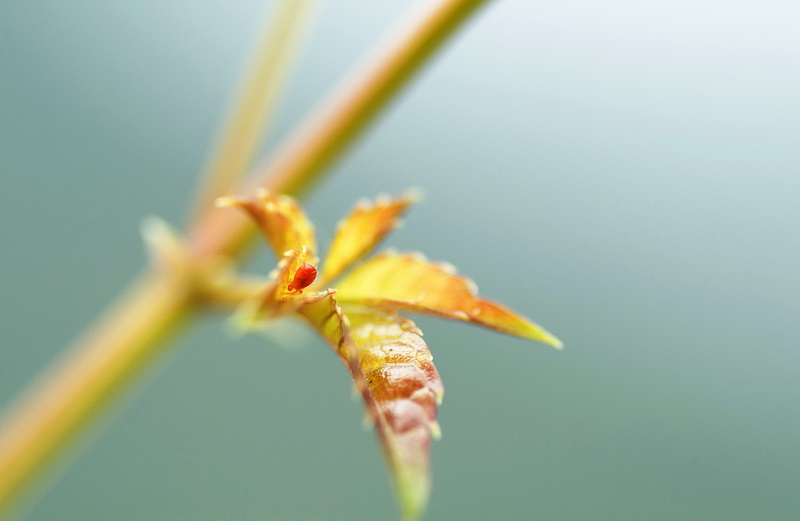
(303, 278)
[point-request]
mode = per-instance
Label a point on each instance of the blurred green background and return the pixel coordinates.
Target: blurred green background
(625, 173)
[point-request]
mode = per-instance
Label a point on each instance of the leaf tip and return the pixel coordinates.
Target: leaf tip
(226, 201)
(436, 430)
(413, 195)
(540, 334)
(155, 231)
(413, 493)
(164, 244)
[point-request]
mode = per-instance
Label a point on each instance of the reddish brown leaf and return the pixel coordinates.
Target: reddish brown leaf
(393, 369)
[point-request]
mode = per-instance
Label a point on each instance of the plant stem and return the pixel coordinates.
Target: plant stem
(87, 376)
(340, 118)
(115, 351)
(255, 103)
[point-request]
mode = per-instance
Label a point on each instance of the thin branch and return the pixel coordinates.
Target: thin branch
(336, 123)
(249, 118)
(66, 397)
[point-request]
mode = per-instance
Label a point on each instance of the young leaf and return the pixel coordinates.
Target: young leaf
(409, 281)
(387, 358)
(280, 219)
(360, 232)
(393, 369)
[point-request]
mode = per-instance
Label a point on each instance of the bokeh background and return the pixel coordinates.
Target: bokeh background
(624, 172)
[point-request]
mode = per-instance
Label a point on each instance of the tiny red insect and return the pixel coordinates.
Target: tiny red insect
(303, 278)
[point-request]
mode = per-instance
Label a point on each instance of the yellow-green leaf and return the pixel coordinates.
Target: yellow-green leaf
(360, 231)
(393, 369)
(280, 219)
(409, 281)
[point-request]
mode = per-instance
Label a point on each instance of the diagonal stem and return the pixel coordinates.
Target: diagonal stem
(256, 101)
(87, 375)
(341, 117)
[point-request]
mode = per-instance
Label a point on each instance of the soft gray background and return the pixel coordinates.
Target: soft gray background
(624, 172)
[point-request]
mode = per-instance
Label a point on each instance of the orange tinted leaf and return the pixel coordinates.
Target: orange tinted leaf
(393, 369)
(360, 231)
(280, 219)
(409, 281)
